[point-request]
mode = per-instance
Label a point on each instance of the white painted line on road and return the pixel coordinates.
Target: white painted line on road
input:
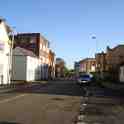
(13, 98)
(81, 117)
(84, 104)
(81, 123)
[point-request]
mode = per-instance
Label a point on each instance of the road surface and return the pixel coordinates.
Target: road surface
(61, 102)
(51, 103)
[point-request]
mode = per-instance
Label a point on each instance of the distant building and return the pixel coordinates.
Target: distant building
(76, 68)
(59, 67)
(51, 70)
(39, 45)
(5, 53)
(87, 65)
(101, 62)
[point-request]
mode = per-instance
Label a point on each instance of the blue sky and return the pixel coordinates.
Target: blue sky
(69, 24)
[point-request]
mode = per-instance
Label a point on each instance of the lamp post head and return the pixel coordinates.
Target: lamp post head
(93, 37)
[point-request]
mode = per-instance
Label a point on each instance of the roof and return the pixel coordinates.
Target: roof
(118, 46)
(33, 35)
(0, 20)
(4, 32)
(23, 52)
(59, 60)
(28, 34)
(87, 59)
(51, 52)
(8, 29)
(102, 53)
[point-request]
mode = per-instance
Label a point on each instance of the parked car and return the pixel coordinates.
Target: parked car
(84, 79)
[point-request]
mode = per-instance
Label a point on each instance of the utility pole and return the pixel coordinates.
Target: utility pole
(11, 57)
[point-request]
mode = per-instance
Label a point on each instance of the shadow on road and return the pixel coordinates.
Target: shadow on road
(5, 122)
(57, 88)
(69, 88)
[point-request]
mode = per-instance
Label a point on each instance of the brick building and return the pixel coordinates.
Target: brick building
(39, 45)
(34, 42)
(59, 67)
(51, 69)
(115, 56)
(110, 61)
(101, 62)
(87, 65)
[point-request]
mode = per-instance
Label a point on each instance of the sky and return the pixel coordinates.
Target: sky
(69, 24)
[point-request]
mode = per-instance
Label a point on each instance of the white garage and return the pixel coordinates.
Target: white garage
(26, 66)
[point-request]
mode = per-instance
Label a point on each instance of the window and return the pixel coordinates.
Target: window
(2, 46)
(123, 71)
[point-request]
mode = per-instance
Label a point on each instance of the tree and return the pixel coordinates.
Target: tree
(66, 71)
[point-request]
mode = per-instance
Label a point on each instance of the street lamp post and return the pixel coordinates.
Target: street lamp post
(94, 38)
(96, 51)
(11, 57)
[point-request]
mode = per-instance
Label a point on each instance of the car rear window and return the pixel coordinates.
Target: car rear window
(84, 76)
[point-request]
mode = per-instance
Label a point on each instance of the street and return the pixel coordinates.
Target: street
(52, 103)
(60, 102)
(62, 62)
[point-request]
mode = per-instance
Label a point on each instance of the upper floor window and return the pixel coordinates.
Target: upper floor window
(2, 46)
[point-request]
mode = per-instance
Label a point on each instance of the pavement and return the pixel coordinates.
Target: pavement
(99, 108)
(113, 86)
(18, 84)
(4, 89)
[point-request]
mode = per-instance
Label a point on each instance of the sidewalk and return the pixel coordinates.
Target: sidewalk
(6, 88)
(29, 82)
(113, 86)
(100, 111)
(18, 85)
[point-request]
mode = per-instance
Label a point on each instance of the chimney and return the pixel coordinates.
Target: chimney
(1, 20)
(108, 48)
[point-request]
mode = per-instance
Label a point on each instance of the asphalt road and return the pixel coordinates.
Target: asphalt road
(50, 103)
(60, 102)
